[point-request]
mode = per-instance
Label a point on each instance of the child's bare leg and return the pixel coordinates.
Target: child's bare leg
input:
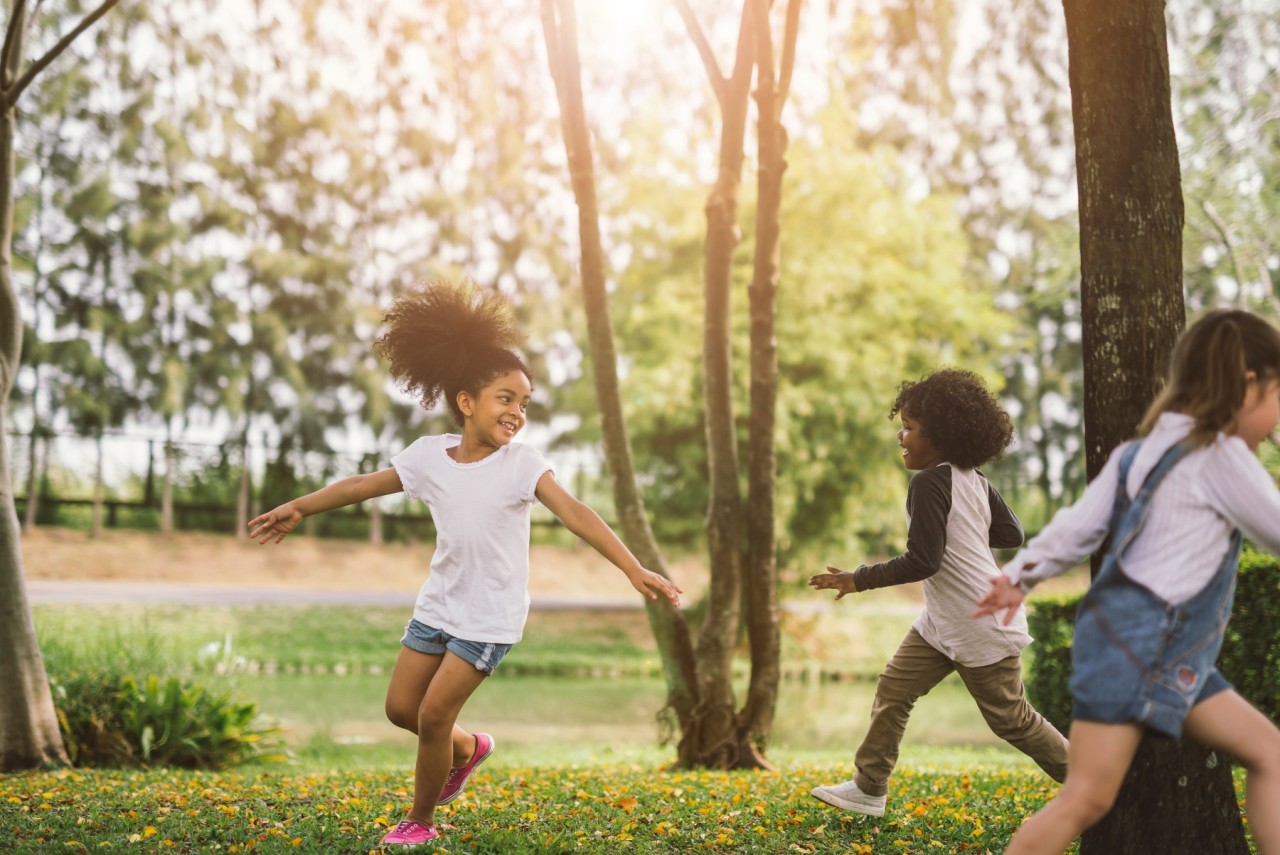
(1098, 756)
(409, 680)
(452, 685)
(1229, 723)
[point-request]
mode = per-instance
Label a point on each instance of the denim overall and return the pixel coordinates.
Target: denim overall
(1136, 658)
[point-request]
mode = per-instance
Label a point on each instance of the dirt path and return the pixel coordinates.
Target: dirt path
(62, 565)
(93, 593)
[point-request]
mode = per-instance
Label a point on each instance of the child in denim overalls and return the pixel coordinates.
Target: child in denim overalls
(452, 341)
(951, 424)
(1175, 505)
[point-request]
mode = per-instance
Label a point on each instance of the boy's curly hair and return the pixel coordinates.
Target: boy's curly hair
(958, 415)
(448, 337)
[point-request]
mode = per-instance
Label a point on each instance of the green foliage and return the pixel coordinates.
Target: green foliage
(1250, 657)
(110, 719)
(1251, 649)
(873, 291)
(1051, 622)
(124, 697)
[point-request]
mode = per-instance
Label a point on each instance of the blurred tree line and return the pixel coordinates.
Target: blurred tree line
(215, 200)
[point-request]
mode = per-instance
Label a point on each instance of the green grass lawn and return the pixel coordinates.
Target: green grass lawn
(942, 800)
(568, 777)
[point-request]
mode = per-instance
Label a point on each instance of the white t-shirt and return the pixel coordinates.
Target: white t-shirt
(479, 583)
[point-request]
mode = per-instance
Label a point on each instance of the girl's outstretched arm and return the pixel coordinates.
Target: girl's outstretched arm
(278, 522)
(586, 524)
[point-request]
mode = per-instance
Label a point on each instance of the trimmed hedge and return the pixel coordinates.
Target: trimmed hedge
(1250, 652)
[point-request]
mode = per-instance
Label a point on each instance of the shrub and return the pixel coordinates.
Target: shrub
(109, 719)
(1250, 651)
(1051, 620)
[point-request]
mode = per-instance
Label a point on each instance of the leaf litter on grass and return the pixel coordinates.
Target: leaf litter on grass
(602, 809)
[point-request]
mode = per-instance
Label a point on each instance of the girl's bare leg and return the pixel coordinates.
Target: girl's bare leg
(454, 681)
(409, 680)
(1098, 757)
(1228, 722)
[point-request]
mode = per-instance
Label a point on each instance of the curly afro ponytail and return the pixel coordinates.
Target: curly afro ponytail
(447, 337)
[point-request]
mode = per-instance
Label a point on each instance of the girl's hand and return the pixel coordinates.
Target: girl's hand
(834, 579)
(275, 523)
(1004, 595)
(651, 585)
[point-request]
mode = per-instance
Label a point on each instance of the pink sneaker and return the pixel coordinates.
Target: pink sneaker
(410, 833)
(458, 774)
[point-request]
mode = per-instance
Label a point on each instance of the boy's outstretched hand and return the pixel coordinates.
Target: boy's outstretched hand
(1003, 596)
(652, 584)
(276, 523)
(834, 579)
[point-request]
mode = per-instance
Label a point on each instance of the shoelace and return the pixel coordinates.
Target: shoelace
(455, 773)
(404, 825)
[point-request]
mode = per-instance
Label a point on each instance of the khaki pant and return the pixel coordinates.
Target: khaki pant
(997, 688)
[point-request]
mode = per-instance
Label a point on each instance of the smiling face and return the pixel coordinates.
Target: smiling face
(495, 415)
(1260, 413)
(917, 451)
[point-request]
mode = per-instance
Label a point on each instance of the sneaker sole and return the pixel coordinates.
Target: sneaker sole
(843, 804)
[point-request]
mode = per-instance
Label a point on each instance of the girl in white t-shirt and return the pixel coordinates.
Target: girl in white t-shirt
(451, 341)
(1172, 508)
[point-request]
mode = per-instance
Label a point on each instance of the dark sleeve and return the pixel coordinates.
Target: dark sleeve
(928, 505)
(1006, 530)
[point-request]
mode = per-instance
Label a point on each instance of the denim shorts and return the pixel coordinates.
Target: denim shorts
(484, 655)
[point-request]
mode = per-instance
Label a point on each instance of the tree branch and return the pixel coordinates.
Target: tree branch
(714, 74)
(1224, 235)
(17, 20)
(551, 31)
(789, 37)
(745, 58)
(12, 93)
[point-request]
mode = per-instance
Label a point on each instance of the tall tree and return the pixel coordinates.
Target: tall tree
(1178, 796)
(560, 29)
(713, 733)
(716, 742)
(29, 734)
(773, 83)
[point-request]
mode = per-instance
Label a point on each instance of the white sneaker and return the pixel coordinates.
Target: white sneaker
(847, 796)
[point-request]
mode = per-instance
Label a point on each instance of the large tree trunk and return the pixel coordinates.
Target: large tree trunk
(29, 734)
(1131, 219)
(669, 628)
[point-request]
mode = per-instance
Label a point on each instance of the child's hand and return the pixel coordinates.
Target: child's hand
(651, 585)
(834, 579)
(278, 523)
(1003, 595)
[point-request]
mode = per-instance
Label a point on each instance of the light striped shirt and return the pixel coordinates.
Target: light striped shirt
(1210, 492)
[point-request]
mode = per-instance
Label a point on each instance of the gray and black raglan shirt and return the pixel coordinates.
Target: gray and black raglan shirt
(954, 518)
